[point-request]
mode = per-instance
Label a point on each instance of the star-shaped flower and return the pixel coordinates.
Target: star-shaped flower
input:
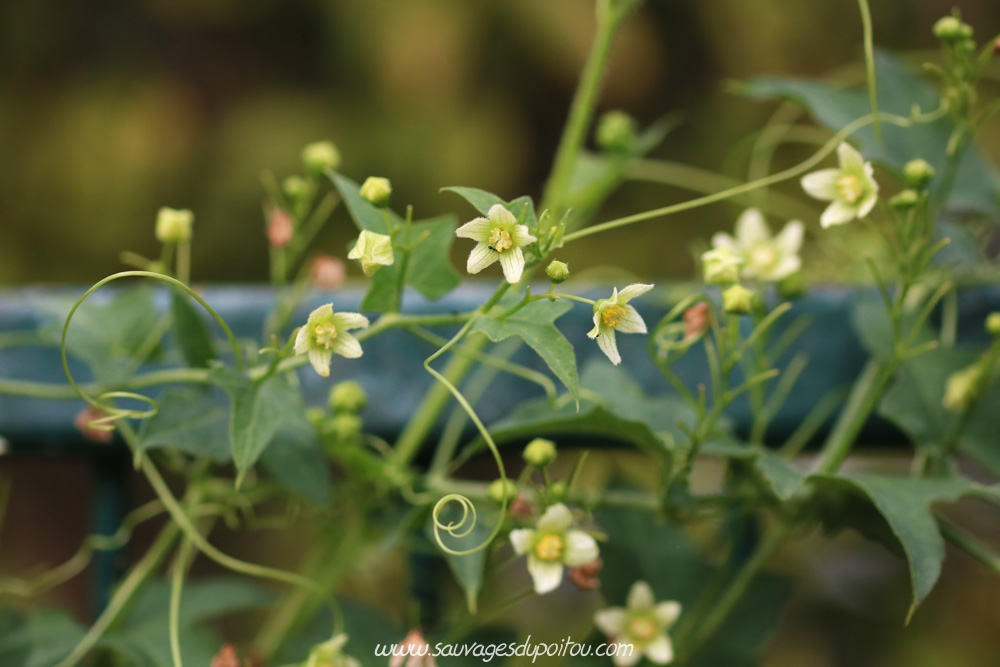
(551, 545)
(331, 654)
(615, 314)
(500, 239)
(373, 250)
(643, 624)
(766, 257)
(721, 266)
(325, 333)
(851, 187)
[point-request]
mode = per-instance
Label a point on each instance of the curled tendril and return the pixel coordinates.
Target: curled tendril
(105, 402)
(455, 529)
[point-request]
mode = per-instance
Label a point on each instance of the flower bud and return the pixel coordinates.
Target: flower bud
(558, 491)
(376, 191)
(963, 388)
(557, 271)
(696, 321)
(348, 396)
(373, 250)
(952, 29)
(500, 490)
(540, 452)
(616, 132)
(343, 427)
(226, 657)
(327, 272)
(521, 508)
(320, 156)
(738, 300)
(173, 226)
(993, 324)
(905, 199)
(792, 286)
(296, 187)
(316, 416)
(721, 266)
(280, 229)
(918, 173)
(586, 576)
(95, 433)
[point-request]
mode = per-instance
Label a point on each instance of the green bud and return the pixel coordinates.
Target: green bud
(540, 452)
(792, 286)
(905, 199)
(320, 156)
(316, 416)
(558, 491)
(502, 489)
(348, 396)
(376, 191)
(963, 388)
(616, 132)
(738, 300)
(173, 226)
(343, 427)
(952, 29)
(918, 173)
(557, 271)
(296, 187)
(993, 324)
(721, 266)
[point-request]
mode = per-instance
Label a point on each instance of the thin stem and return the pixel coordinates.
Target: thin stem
(866, 25)
(970, 545)
(181, 562)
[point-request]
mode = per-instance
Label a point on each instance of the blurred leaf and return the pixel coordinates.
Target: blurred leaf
(40, 639)
(784, 479)
(534, 324)
(190, 420)
(905, 504)
(296, 460)
(256, 413)
(365, 626)
(976, 184)
(107, 337)
(192, 334)
(468, 570)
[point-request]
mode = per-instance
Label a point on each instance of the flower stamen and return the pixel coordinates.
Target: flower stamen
(500, 240)
(643, 628)
(325, 333)
(612, 315)
(849, 188)
(550, 548)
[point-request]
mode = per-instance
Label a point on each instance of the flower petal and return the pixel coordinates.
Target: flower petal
(478, 229)
(724, 240)
(789, 239)
(498, 214)
(593, 333)
(788, 265)
(581, 549)
(302, 340)
(865, 207)
(640, 596)
(606, 341)
(611, 621)
(347, 345)
(660, 650)
(667, 612)
(320, 360)
(556, 519)
(512, 262)
(751, 228)
(521, 540)
(546, 576)
(821, 184)
(632, 291)
(837, 213)
(521, 236)
(481, 257)
(850, 159)
(631, 322)
(627, 655)
(321, 313)
(348, 321)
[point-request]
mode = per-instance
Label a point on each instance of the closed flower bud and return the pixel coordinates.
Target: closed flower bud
(348, 396)
(500, 490)
(993, 324)
(616, 132)
(343, 427)
(226, 657)
(696, 321)
(320, 156)
(905, 199)
(918, 173)
(738, 300)
(327, 273)
(721, 266)
(952, 29)
(86, 422)
(557, 271)
(540, 452)
(558, 491)
(173, 226)
(280, 229)
(296, 187)
(963, 389)
(586, 577)
(376, 191)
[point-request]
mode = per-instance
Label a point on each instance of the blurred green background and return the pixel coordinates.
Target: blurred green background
(109, 110)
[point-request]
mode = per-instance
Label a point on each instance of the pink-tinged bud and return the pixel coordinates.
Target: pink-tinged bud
(521, 508)
(696, 321)
(587, 577)
(226, 657)
(327, 272)
(280, 229)
(93, 433)
(996, 47)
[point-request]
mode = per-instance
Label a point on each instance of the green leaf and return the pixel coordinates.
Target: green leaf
(109, 337)
(191, 331)
(905, 504)
(429, 270)
(40, 639)
(976, 183)
(468, 570)
(523, 208)
(783, 478)
(296, 460)
(535, 325)
(364, 214)
(256, 413)
(189, 420)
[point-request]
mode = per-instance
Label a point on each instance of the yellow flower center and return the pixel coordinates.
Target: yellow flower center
(325, 333)
(500, 240)
(763, 255)
(849, 189)
(550, 548)
(643, 628)
(612, 315)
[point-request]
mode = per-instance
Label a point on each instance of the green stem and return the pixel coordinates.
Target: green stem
(866, 25)
(970, 545)
(180, 566)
